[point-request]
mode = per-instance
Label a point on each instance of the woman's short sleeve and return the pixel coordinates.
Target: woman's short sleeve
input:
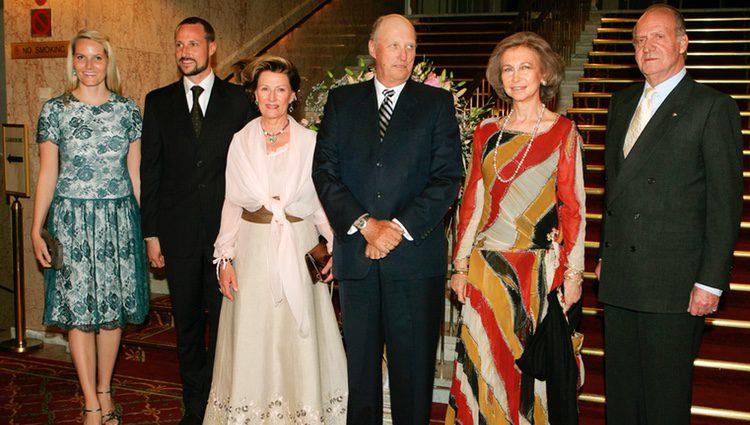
(48, 126)
(136, 123)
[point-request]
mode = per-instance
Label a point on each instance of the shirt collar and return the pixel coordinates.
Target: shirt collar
(665, 87)
(207, 83)
(379, 87)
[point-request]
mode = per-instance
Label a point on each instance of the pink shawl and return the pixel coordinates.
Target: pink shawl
(247, 187)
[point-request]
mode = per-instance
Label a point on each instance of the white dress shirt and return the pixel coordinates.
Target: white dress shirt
(662, 90)
(207, 84)
(379, 87)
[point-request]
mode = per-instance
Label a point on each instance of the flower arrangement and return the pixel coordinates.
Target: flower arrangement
(423, 72)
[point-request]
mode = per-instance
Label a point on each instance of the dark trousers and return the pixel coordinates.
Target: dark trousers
(648, 366)
(193, 289)
(404, 315)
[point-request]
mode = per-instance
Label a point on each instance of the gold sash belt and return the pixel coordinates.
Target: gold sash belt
(263, 216)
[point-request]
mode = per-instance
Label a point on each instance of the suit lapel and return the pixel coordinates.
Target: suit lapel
(658, 128)
(620, 125)
(368, 112)
(402, 113)
(214, 109)
(182, 114)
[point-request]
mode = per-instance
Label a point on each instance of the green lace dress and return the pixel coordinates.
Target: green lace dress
(104, 279)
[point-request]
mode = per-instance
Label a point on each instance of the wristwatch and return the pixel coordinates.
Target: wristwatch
(361, 222)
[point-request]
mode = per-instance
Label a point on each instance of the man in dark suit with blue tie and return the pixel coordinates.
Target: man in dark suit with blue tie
(187, 128)
(672, 210)
(387, 168)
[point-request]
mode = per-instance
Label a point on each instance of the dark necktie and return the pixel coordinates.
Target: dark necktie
(385, 112)
(196, 115)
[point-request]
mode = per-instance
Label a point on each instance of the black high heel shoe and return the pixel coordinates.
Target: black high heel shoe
(87, 411)
(112, 415)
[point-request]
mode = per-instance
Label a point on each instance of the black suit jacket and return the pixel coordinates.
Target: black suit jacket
(673, 207)
(182, 177)
(413, 175)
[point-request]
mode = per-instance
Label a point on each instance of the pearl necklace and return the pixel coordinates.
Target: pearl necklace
(272, 137)
(528, 147)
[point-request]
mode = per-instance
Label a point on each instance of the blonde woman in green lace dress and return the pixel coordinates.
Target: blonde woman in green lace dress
(88, 187)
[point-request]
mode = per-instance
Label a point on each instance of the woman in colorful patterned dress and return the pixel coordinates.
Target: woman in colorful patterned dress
(89, 148)
(520, 236)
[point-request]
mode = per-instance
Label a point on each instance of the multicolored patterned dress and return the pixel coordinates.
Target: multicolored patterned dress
(104, 279)
(507, 226)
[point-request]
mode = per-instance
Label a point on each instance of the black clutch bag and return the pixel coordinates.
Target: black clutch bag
(316, 259)
(55, 249)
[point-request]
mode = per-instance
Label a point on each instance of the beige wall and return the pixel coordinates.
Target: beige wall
(142, 34)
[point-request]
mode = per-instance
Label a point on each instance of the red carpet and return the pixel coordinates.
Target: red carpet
(40, 391)
(146, 384)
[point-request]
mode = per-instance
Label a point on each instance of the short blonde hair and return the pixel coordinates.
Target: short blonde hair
(112, 79)
(553, 67)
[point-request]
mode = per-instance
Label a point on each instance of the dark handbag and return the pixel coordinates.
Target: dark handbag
(550, 355)
(55, 249)
(316, 259)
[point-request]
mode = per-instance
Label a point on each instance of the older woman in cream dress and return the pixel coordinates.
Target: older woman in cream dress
(279, 355)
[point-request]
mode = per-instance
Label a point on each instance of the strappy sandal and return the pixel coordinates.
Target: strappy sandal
(87, 411)
(112, 415)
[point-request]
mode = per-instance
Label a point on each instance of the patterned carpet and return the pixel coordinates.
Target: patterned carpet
(41, 391)
(146, 385)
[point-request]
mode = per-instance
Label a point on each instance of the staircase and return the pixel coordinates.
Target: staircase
(718, 55)
(461, 44)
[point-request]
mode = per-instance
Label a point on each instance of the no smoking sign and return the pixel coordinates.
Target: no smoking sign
(41, 22)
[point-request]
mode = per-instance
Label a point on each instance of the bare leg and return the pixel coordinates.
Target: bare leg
(83, 352)
(107, 346)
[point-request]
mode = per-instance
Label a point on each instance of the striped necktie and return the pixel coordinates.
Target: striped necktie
(639, 121)
(385, 112)
(196, 115)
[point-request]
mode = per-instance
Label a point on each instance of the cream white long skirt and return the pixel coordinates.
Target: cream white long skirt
(265, 372)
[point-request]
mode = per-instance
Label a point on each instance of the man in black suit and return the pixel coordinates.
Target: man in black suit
(187, 128)
(672, 209)
(387, 168)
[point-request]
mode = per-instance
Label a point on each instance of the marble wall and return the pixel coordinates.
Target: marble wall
(142, 34)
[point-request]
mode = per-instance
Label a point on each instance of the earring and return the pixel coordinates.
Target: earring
(74, 73)
(256, 102)
(291, 108)
(544, 83)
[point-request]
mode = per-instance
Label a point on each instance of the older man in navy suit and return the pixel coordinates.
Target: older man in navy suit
(387, 168)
